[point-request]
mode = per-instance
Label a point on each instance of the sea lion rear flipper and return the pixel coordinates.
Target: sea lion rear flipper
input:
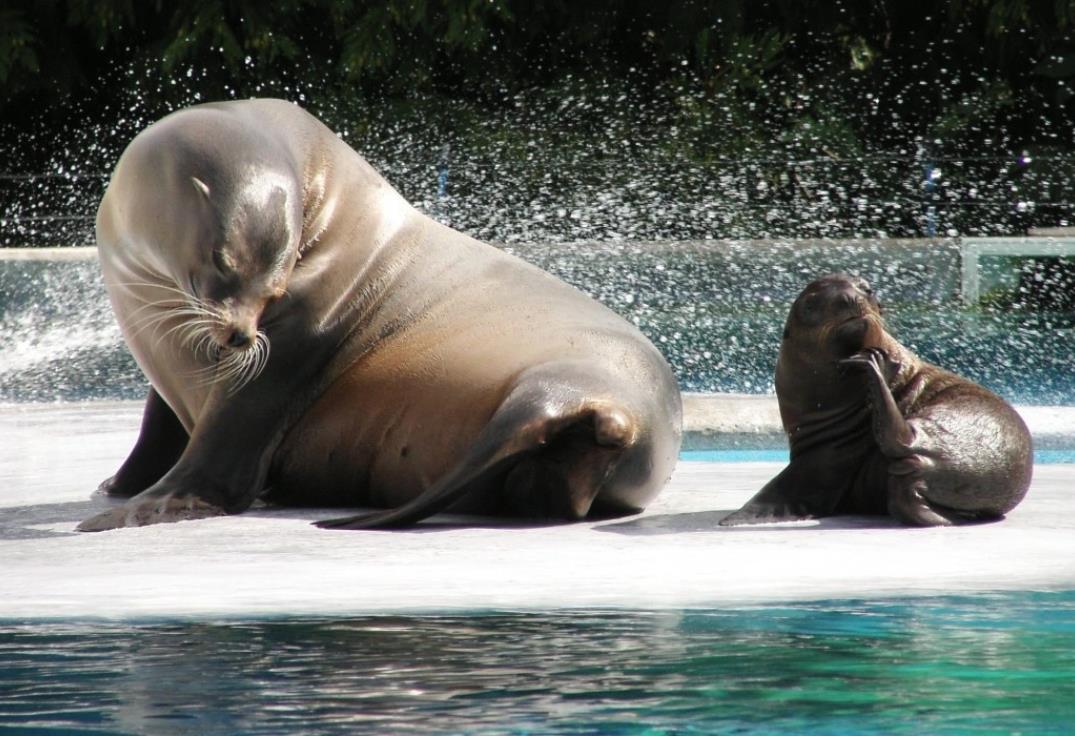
(792, 495)
(525, 424)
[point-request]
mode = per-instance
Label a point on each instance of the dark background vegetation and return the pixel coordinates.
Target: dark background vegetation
(631, 119)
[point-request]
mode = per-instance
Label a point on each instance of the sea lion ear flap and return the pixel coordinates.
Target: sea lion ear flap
(201, 186)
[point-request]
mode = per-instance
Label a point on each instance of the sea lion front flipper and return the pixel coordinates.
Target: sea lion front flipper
(151, 508)
(161, 440)
(893, 433)
(794, 494)
(583, 437)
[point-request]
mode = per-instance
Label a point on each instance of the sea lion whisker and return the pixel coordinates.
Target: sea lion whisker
(182, 309)
(202, 342)
(180, 328)
(257, 349)
(137, 325)
(143, 284)
(199, 312)
(220, 371)
(167, 305)
(266, 346)
(198, 306)
(212, 373)
(148, 321)
(235, 369)
(149, 285)
(210, 347)
(261, 354)
(194, 335)
(240, 369)
(148, 304)
(241, 375)
(155, 319)
(205, 381)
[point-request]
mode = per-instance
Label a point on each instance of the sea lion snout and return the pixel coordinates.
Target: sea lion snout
(239, 338)
(834, 312)
(238, 321)
(838, 311)
(236, 335)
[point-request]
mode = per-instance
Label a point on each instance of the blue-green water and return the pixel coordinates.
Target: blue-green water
(978, 664)
(1041, 457)
(716, 314)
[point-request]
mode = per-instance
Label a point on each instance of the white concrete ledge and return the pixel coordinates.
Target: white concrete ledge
(710, 421)
(272, 562)
(50, 253)
(746, 421)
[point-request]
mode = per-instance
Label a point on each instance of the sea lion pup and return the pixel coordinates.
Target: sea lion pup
(305, 330)
(874, 429)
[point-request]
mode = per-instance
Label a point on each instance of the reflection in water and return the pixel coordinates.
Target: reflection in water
(1005, 663)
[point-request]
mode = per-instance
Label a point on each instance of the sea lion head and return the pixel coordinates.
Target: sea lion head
(244, 258)
(834, 317)
(236, 263)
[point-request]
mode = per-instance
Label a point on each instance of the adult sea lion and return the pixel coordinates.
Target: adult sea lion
(306, 330)
(874, 429)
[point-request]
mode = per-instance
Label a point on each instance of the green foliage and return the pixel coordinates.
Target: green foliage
(806, 77)
(750, 60)
(17, 45)
(101, 20)
(975, 110)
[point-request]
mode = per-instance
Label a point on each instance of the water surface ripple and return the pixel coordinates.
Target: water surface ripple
(981, 664)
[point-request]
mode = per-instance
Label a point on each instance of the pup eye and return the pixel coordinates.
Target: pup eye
(809, 306)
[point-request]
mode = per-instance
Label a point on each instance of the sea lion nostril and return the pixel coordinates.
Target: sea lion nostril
(238, 339)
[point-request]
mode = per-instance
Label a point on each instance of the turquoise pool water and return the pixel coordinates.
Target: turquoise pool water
(716, 318)
(1000, 663)
(1041, 457)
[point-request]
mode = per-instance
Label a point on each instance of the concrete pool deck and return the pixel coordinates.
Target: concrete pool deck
(272, 562)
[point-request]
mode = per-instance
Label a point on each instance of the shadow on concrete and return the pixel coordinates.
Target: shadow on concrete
(17, 522)
(437, 523)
